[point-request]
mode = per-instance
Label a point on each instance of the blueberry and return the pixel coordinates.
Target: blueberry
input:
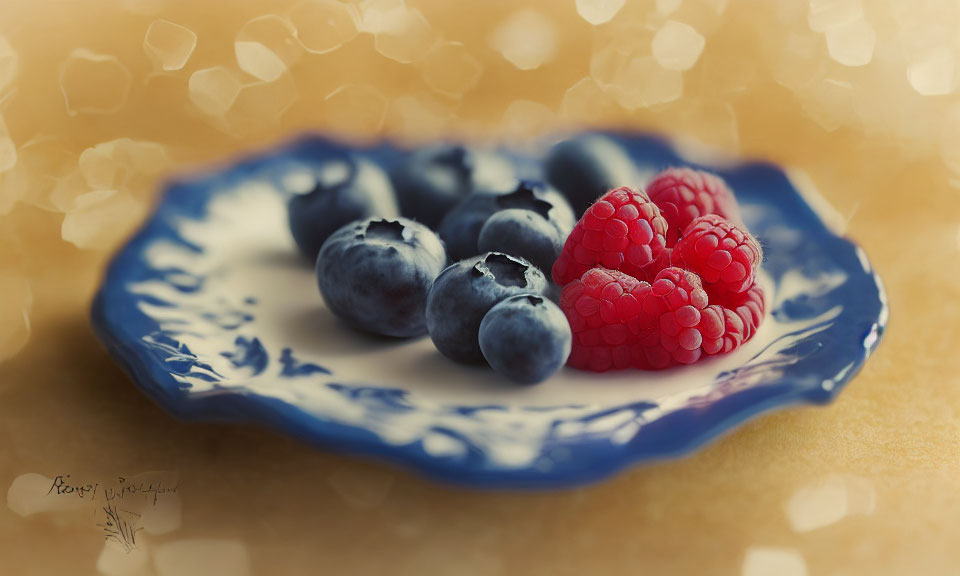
(347, 189)
(465, 291)
(526, 338)
(587, 166)
(433, 180)
(523, 233)
(460, 228)
(375, 274)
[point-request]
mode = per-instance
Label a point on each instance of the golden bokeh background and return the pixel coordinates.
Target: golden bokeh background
(100, 101)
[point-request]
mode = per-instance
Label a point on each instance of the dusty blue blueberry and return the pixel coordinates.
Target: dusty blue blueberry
(347, 189)
(431, 181)
(523, 233)
(585, 167)
(375, 274)
(526, 338)
(460, 228)
(464, 292)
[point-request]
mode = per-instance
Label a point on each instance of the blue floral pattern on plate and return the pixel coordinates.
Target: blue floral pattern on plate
(215, 317)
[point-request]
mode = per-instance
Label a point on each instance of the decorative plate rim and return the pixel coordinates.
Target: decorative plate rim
(118, 326)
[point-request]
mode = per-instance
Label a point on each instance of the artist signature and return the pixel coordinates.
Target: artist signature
(62, 485)
(119, 524)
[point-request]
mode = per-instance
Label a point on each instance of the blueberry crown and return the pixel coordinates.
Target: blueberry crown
(388, 230)
(504, 269)
(525, 197)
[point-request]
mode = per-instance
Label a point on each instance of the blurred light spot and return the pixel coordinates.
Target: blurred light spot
(117, 164)
(260, 106)
(419, 115)
(30, 493)
(15, 308)
(169, 45)
(101, 219)
(202, 557)
(677, 46)
(773, 562)
(526, 118)
(213, 90)
(599, 12)
(115, 560)
(933, 74)
(451, 69)
(42, 164)
(9, 64)
(323, 25)
(355, 109)
(405, 37)
(94, 83)
(378, 15)
(828, 501)
(363, 487)
(640, 82)
(527, 39)
(852, 44)
(829, 102)
(266, 46)
(586, 100)
(8, 150)
(668, 7)
(826, 14)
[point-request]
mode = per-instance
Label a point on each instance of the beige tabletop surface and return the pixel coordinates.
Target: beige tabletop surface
(862, 96)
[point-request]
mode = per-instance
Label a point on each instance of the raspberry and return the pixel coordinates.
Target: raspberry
(690, 327)
(725, 255)
(683, 194)
(683, 323)
(606, 310)
(618, 321)
(622, 231)
(743, 313)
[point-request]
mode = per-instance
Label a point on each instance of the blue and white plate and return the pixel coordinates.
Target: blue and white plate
(216, 317)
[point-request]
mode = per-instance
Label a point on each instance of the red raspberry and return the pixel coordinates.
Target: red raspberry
(683, 194)
(743, 313)
(618, 321)
(622, 231)
(606, 312)
(725, 255)
(683, 322)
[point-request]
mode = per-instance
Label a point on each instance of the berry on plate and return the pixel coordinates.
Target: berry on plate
(605, 309)
(585, 167)
(523, 233)
(683, 329)
(460, 228)
(375, 274)
(465, 291)
(431, 181)
(526, 338)
(346, 189)
(723, 254)
(622, 231)
(683, 194)
(743, 314)
(620, 322)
